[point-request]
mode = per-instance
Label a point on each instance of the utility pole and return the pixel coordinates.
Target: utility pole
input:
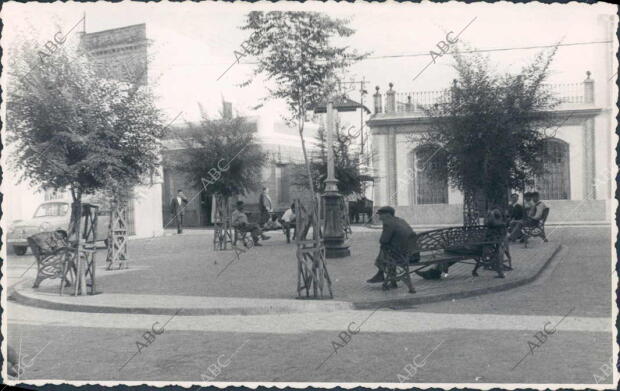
(362, 93)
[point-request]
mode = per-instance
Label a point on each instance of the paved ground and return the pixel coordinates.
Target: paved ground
(475, 340)
(185, 265)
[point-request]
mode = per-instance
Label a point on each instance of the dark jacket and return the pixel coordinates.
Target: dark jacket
(515, 212)
(175, 208)
(396, 236)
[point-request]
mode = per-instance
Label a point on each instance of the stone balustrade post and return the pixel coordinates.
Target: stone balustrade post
(377, 101)
(588, 89)
(390, 100)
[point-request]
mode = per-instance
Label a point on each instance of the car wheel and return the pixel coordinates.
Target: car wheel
(20, 250)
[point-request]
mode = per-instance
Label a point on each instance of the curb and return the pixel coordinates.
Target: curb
(14, 295)
(409, 302)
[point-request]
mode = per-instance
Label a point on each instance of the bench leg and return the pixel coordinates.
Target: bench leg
(475, 271)
(407, 279)
(508, 256)
(390, 277)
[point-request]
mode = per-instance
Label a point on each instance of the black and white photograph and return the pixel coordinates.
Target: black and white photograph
(320, 194)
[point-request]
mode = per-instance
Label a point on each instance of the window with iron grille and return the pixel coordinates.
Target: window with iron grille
(429, 179)
(554, 184)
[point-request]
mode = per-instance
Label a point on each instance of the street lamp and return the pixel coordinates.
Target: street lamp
(333, 230)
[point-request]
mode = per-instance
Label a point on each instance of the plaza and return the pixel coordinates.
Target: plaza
(251, 302)
(310, 216)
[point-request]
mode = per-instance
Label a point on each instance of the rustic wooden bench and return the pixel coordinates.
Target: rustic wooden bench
(480, 245)
(538, 230)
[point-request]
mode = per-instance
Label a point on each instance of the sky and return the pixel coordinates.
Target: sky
(193, 43)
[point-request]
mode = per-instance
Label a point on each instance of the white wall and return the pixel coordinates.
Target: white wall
(379, 166)
(148, 220)
(404, 184)
(20, 200)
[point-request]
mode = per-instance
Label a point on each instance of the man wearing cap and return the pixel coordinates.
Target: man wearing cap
(394, 240)
(240, 222)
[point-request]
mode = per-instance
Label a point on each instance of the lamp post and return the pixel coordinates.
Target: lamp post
(333, 230)
(333, 237)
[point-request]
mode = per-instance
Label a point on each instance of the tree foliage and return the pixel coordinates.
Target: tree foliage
(492, 126)
(73, 128)
(223, 151)
(349, 163)
(296, 53)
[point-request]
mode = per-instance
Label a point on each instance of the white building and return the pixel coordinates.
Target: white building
(578, 188)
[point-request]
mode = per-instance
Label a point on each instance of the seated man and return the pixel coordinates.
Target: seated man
(288, 221)
(534, 215)
(394, 242)
(240, 222)
(527, 203)
(517, 215)
(515, 210)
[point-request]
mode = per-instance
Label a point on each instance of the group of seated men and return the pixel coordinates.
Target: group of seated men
(528, 215)
(240, 222)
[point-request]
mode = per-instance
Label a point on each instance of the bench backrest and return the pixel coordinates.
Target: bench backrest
(441, 239)
(544, 216)
(45, 243)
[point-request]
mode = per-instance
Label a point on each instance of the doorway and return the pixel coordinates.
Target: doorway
(206, 204)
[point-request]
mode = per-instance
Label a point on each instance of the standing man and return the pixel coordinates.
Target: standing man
(394, 242)
(265, 207)
(177, 208)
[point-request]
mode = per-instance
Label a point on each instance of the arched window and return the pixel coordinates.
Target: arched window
(428, 166)
(554, 183)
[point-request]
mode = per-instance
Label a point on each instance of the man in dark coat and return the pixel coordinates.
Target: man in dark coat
(516, 213)
(515, 210)
(394, 241)
(177, 208)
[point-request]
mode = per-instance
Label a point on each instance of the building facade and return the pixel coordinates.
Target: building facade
(285, 156)
(576, 186)
(122, 54)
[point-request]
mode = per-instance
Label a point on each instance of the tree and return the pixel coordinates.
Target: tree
(225, 153)
(73, 129)
(294, 51)
(492, 127)
(348, 164)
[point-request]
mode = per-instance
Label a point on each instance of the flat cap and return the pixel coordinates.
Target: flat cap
(386, 209)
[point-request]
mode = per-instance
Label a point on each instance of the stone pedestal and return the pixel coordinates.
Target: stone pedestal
(333, 234)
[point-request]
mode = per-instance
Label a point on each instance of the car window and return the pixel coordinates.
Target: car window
(54, 209)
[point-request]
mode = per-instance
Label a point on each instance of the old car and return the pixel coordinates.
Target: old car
(50, 216)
